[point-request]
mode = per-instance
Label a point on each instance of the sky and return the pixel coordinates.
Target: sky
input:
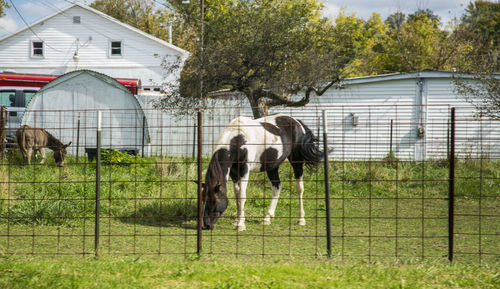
(33, 10)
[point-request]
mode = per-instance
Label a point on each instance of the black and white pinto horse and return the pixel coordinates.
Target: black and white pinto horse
(257, 145)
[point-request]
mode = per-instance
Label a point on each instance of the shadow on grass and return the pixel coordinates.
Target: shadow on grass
(165, 213)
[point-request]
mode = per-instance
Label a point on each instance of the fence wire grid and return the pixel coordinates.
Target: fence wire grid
(388, 176)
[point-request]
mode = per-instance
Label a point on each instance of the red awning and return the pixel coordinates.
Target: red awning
(39, 80)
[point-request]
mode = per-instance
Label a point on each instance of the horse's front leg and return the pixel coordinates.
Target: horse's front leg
(42, 152)
(240, 202)
(237, 187)
(276, 188)
(27, 156)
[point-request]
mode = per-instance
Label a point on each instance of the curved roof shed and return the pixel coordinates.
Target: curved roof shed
(67, 107)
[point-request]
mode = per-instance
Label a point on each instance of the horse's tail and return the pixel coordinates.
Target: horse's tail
(309, 148)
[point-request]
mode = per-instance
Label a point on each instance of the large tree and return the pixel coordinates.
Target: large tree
(480, 27)
(142, 14)
(274, 52)
(413, 42)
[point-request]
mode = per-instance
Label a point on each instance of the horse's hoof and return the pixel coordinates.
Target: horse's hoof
(241, 228)
(301, 222)
(266, 222)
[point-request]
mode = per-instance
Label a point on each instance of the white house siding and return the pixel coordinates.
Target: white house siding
(142, 55)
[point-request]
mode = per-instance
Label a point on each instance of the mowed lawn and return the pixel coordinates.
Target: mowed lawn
(389, 228)
(228, 272)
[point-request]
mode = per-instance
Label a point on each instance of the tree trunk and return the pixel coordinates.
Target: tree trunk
(257, 108)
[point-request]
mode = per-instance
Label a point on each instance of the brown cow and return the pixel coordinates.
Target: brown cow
(31, 138)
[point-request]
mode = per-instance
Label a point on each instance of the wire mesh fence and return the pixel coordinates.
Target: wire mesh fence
(388, 178)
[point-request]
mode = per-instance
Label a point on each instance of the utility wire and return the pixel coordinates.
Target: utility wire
(29, 27)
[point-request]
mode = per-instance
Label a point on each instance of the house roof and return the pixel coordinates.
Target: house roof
(425, 74)
(103, 15)
(73, 74)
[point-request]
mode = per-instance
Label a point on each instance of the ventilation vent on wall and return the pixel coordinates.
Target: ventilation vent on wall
(76, 19)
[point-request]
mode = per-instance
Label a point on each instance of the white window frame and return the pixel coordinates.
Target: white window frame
(110, 54)
(32, 49)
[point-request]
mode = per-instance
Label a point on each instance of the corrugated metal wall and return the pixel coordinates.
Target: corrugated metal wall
(410, 103)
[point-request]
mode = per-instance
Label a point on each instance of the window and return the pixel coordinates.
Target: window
(28, 95)
(76, 19)
(36, 48)
(7, 97)
(116, 48)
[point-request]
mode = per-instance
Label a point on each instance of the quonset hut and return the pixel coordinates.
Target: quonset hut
(67, 107)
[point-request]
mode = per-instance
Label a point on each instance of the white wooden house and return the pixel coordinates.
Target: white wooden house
(79, 37)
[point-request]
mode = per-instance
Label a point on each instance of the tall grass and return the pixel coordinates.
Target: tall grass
(156, 188)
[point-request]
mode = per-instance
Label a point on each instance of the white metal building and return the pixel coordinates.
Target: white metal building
(359, 119)
(360, 114)
(79, 37)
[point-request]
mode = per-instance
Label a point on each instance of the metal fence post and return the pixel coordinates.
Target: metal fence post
(390, 145)
(3, 128)
(77, 137)
(200, 180)
(327, 187)
(98, 183)
(451, 186)
(143, 135)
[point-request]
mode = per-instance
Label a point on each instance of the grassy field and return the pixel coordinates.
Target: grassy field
(382, 211)
(224, 272)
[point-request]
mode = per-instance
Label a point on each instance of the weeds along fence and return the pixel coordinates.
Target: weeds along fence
(401, 186)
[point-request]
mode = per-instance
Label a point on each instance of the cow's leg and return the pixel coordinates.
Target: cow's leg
(42, 152)
(299, 186)
(276, 188)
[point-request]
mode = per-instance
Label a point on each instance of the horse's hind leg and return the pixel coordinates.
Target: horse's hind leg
(274, 177)
(27, 155)
(299, 186)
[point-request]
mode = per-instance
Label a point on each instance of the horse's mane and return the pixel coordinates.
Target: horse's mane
(215, 173)
(52, 141)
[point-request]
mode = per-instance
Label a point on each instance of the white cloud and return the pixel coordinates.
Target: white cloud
(8, 25)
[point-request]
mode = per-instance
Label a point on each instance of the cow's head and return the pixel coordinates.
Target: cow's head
(214, 204)
(60, 154)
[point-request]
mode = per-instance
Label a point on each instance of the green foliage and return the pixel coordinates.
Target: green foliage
(116, 157)
(3, 5)
(266, 50)
(138, 13)
(479, 28)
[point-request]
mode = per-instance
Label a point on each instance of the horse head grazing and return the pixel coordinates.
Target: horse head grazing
(60, 154)
(214, 190)
(215, 203)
